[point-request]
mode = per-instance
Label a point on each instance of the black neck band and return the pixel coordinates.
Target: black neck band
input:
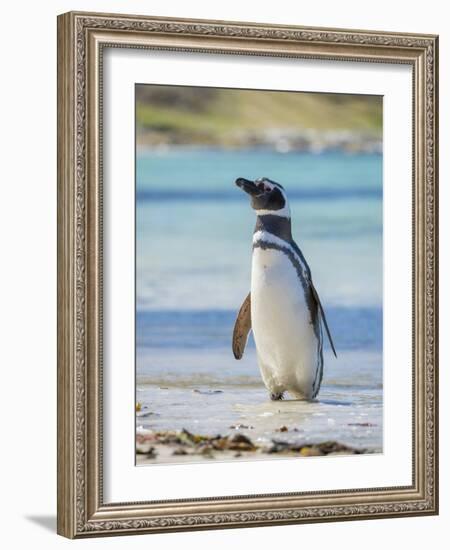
(276, 225)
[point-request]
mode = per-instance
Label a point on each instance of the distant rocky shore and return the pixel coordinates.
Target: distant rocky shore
(280, 140)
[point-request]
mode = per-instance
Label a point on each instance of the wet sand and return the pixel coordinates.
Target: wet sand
(345, 419)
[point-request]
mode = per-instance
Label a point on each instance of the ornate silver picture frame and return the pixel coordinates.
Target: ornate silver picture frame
(82, 40)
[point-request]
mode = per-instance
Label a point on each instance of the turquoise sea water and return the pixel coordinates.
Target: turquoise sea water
(193, 258)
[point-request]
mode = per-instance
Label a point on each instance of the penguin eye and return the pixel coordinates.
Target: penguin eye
(263, 188)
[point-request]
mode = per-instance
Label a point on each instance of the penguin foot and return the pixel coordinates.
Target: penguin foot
(277, 396)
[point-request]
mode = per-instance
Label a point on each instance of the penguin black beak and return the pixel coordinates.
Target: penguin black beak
(248, 186)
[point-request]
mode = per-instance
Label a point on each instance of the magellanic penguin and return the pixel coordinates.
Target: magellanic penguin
(283, 308)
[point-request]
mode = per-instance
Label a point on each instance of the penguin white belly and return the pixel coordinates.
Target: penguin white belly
(286, 344)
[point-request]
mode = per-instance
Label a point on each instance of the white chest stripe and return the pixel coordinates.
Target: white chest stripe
(265, 237)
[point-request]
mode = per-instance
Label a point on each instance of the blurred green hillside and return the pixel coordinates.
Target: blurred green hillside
(224, 117)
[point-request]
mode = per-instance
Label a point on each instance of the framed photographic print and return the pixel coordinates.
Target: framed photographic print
(247, 274)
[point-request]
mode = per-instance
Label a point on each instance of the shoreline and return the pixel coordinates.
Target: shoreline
(334, 143)
(189, 421)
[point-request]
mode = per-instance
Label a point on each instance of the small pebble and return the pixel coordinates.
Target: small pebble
(207, 392)
(179, 452)
(362, 424)
(241, 427)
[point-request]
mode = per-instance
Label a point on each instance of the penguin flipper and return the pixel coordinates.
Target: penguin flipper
(242, 327)
(324, 319)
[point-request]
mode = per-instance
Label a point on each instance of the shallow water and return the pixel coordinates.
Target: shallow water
(220, 396)
(194, 232)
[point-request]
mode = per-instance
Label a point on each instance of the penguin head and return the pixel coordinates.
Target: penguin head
(266, 196)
